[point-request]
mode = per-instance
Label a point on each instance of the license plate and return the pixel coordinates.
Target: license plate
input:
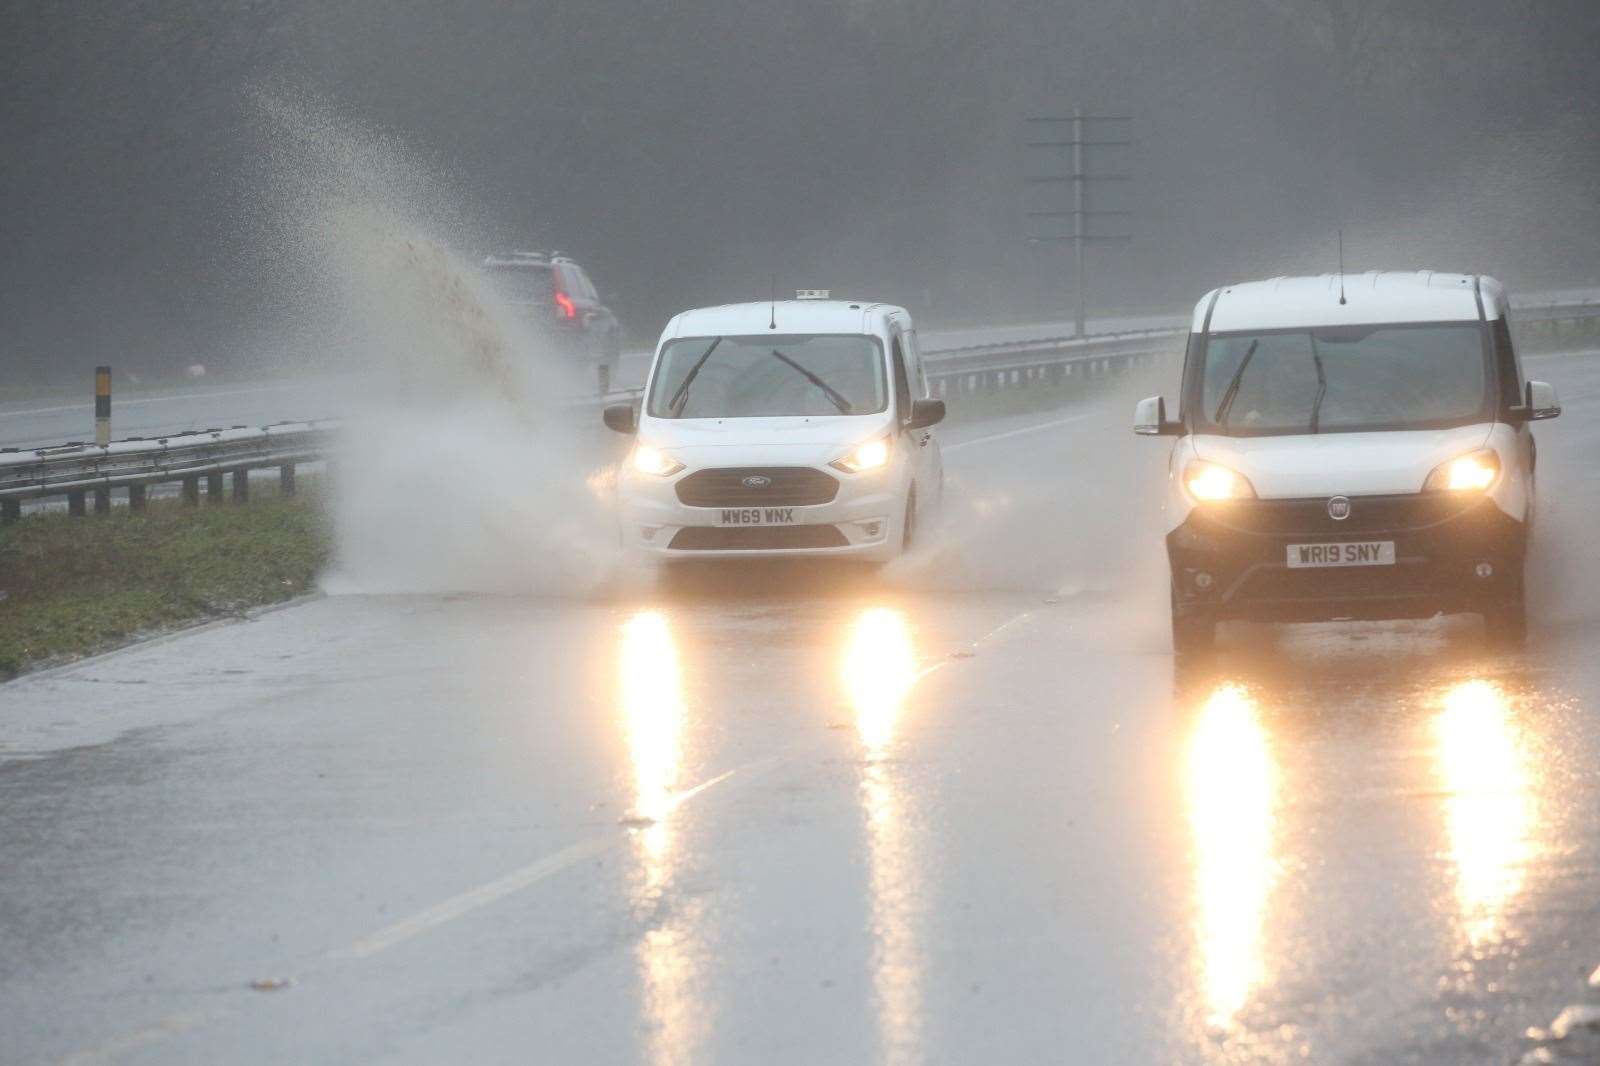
(1343, 553)
(756, 516)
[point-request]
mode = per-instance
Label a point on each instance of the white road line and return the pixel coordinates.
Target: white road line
(515, 881)
(1039, 428)
(140, 401)
(1561, 355)
(119, 1046)
(482, 896)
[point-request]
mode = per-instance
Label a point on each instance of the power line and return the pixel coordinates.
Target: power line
(1080, 178)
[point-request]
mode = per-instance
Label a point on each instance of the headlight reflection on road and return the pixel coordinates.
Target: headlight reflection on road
(1489, 808)
(880, 668)
(653, 719)
(1232, 793)
(653, 715)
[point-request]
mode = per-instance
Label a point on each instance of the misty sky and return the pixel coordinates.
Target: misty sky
(685, 151)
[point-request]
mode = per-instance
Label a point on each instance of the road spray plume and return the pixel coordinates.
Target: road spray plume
(458, 469)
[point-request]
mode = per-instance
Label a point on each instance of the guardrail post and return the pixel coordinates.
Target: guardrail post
(213, 488)
(102, 501)
(241, 486)
(191, 491)
(286, 479)
(75, 503)
(136, 497)
(10, 510)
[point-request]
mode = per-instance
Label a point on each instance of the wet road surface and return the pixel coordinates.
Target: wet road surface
(962, 812)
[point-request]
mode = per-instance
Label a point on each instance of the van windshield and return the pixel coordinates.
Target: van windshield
(778, 374)
(1343, 379)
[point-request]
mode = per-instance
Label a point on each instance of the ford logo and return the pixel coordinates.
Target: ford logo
(1339, 508)
(757, 481)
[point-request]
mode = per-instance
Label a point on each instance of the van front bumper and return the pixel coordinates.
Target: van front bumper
(862, 521)
(1230, 560)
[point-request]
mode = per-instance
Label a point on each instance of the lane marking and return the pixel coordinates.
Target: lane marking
(1561, 355)
(473, 899)
(119, 1046)
(465, 903)
(140, 401)
(1038, 428)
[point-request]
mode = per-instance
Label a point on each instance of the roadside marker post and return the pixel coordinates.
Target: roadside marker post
(102, 405)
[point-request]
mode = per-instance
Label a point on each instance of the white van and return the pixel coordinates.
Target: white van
(1350, 447)
(795, 427)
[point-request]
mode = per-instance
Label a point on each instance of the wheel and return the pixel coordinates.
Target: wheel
(1194, 630)
(1505, 625)
(908, 528)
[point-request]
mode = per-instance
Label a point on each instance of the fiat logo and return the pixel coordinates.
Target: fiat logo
(757, 481)
(1339, 508)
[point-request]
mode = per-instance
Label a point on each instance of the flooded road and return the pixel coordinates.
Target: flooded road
(964, 811)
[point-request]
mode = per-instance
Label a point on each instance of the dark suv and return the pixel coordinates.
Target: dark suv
(560, 297)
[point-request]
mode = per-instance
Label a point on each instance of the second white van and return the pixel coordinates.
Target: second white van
(1350, 447)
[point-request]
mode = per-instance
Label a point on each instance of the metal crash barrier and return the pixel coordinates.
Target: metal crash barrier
(76, 470)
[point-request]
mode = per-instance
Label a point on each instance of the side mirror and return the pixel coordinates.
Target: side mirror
(925, 413)
(620, 417)
(1150, 418)
(1539, 401)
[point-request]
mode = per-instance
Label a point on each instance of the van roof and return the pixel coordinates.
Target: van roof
(792, 316)
(1372, 297)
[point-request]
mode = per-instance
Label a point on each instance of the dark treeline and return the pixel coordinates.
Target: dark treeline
(684, 151)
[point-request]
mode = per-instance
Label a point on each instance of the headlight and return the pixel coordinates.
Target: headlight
(648, 460)
(1465, 473)
(868, 456)
(1211, 481)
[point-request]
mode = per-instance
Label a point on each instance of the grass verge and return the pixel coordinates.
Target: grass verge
(76, 586)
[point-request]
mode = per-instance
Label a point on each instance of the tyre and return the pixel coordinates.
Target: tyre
(1505, 625)
(1194, 630)
(908, 528)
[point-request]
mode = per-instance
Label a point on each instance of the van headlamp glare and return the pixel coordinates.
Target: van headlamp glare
(1474, 472)
(863, 457)
(1208, 482)
(648, 460)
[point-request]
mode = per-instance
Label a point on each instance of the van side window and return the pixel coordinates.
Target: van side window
(902, 384)
(1505, 358)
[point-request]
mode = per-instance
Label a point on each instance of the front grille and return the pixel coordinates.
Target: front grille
(1336, 583)
(1309, 517)
(756, 538)
(787, 486)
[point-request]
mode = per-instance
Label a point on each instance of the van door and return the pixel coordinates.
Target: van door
(929, 442)
(1509, 370)
(925, 464)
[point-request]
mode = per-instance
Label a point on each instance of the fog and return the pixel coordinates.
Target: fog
(686, 152)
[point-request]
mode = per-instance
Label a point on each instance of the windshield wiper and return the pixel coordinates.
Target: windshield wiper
(829, 391)
(1221, 417)
(675, 405)
(1322, 386)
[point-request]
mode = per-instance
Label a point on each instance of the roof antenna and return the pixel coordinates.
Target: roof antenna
(773, 324)
(1341, 266)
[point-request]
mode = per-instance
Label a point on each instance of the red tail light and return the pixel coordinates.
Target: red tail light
(565, 305)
